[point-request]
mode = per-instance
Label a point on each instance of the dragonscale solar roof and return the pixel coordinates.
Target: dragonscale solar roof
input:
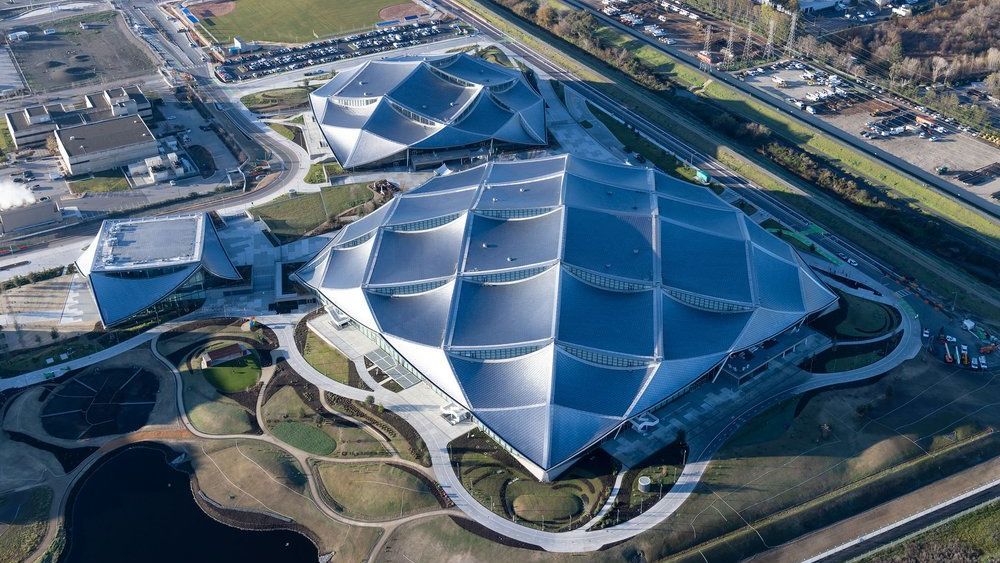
(381, 108)
(556, 298)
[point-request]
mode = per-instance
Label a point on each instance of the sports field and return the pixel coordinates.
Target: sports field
(293, 21)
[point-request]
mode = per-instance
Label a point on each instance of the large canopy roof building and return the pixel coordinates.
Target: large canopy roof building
(138, 266)
(392, 110)
(558, 298)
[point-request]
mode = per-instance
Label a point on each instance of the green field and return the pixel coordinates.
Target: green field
(291, 420)
(971, 537)
(107, 181)
(24, 519)
(304, 437)
(234, 375)
(320, 173)
(502, 485)
(375, 491)
(291, 216)
(6, 142)
(210, 411)
(637, 143)
(285, 131)
(858, 319)
(325, 358)
(278, 100)
(293, 21)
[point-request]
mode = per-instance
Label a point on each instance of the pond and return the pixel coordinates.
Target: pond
(133, 506)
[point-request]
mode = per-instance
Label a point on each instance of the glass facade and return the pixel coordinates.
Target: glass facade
(496, 353)
(607, 282)
(708, 303)
(408, 289)
(188, 297)
(506, 276)
(605, 359)
(424, 224)
(514, 213)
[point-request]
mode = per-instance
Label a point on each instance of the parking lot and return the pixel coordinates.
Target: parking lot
(272, 61)
(927, 140)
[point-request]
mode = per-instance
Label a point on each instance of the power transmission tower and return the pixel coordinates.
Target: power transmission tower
(730, 43)
(747, 44)
(790, 44)
(705, 64)
(769, 47)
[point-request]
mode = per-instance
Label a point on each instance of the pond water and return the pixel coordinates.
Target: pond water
(133, 506)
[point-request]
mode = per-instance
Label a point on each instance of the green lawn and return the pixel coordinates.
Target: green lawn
(107, 181)
(325, 358)
(210, 411)
(234, 375)
(375, 491)
(292, 216)
(319, 173)
(293, 21)
(283, 130)
(280, 99)
(502, 485)
(637, 143)
(543, 506)
(6, 142)
(304, 437)
(24, 519)
(859, 319)
(970, 537)
(291, 420)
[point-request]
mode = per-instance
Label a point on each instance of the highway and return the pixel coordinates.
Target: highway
(985, 206)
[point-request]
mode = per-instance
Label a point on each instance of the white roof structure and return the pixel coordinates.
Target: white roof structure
(556, 298)
(133, 264)
(380, 109)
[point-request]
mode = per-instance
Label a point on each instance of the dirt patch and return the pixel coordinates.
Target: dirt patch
(104, 50)
(400, 11)
(210, 9)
